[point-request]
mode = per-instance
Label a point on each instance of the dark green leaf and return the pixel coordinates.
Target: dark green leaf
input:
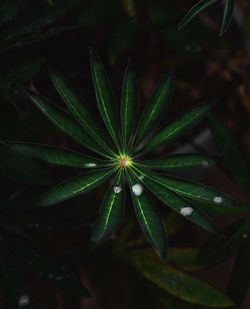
(180, 161)
(111, 212)
(57, 155)
(179, 204)
(181, 285)
(46, 266)
(74, 186)
(231, 154)
(62, 120)
(105, 98)
(20, 168)
(184, 258)
(12, 285)
(192, 190)
(129, 105)
(155, 108)
(195, 10)
(216, 250)
(78, 107)
(227, 16)
(148, 217)
(178, 126)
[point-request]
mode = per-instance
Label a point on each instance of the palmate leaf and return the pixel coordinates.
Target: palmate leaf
(177, 127)
(216, 250)
(74, 186)
(78, 107)
(62, 120)
(12, 285)
(105, 98)
(178, 203)
(155, 108)
(148, 217)
(182, 285)
(111, 212)
(195, 10)
(46, 266)
(227, 16)
(191, 190)
(129, 105)
(179, 161)
(57, 155)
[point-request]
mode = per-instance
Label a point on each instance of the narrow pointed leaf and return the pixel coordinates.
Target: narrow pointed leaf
(240, 279)
(231, 153)
(105, 98)
(111, 212)
(192, 190)
(62, 120)
(180, 161)
(74, 186)
(46, 266)
(78, 107)
(57, 155)
(148, 217)
(182, 285)
(179, 204)
(178, 126)
(12, 285)
(227, 16)
(155, 108)
(129, 105)
(195, 10)
(216, 250)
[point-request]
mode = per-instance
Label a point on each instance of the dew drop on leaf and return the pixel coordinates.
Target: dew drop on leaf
(137, 189)
(117, 189)
(90, 165)
(244, 235)
(217, 199)
(141, 177)
(204, 163)
(23, 301)
(186, 211)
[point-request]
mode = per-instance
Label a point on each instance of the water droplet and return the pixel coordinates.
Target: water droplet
(58, 278)
(90, 165)
(141, 177)
(137, 189)
(23, 301)
(217, 199)
(244, 235)
(204, 163)
(186, 211)
(117, 189)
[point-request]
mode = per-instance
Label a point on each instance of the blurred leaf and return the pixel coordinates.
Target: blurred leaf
(231, 154)
(74, 186)
(20, 168)
(9, 9)
(111, 211)
(122, 37)
(129, 105)
(46, 266)
(13, 286)
(227, 16)
(216, 250)
(129, 7)
(184, 258)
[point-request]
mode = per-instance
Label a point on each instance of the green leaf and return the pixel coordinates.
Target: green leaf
(179, 204)
(227, 16)
(104, 97)
(62, 120)
(111, 212)
(129, 105)
(122, 38)
(46, 266)
(182, 285)
(184, 258)
(148, 217)
(179, 161)
(178, 126)
(155, 108)
(239, 282)
(12, 285)
(78, 107)
(20, 168)
(74, 186)
(231, 153)
(216, 250)
(195, 10)
(192, 190)
(57, 155)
